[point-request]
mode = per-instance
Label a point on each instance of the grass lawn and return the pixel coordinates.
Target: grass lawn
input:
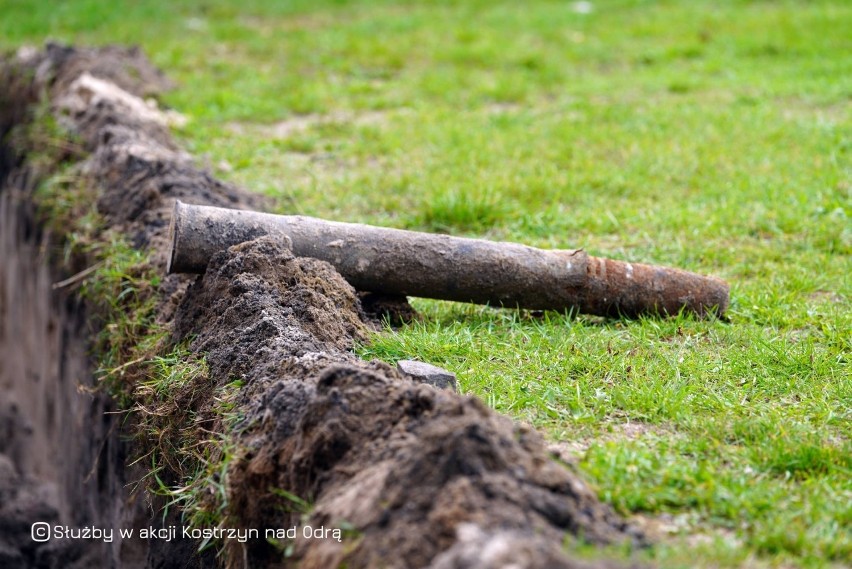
(713, 136)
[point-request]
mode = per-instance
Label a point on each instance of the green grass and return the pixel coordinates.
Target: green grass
(713, 136)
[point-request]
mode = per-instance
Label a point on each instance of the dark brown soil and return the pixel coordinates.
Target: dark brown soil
(384, 308)
(402, 463)
(415, 476)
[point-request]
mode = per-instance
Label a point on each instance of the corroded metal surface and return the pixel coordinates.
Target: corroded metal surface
(394, 261)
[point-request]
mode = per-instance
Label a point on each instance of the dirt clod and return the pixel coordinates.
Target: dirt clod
(392, 309)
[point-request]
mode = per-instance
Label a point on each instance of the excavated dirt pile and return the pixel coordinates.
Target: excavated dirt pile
(318, 440)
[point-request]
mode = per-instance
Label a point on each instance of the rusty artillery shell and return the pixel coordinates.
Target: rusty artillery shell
(394, 261)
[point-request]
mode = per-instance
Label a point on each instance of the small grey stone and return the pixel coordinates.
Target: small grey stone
(427, 373)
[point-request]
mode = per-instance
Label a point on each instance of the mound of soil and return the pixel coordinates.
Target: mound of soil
(411, 476)
(401, 463)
